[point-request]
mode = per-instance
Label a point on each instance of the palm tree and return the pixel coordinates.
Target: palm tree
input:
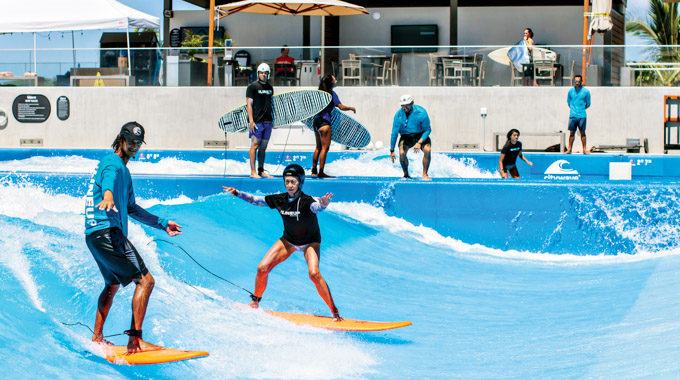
(661, 29)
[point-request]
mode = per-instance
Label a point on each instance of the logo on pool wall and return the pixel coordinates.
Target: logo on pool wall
(561, 169)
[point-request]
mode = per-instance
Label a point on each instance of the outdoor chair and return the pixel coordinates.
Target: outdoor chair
(544, 70)
(396, 64)
(384, 74)
(481, 71)
(453, 71)
(351, 70)
(286, 77)
(569, 77)
(516, 76)
(432, 73)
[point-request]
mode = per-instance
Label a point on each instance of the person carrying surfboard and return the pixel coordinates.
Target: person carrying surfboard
(322, 125)
(110, 199)
(413, 124)
(259, 107)
(300, 232)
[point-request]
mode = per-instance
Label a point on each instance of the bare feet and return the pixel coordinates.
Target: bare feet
(406, 176)
(567, 152)
(314, 172)
(336, 317)
(265, 175)
(136, 344)
(324, 175)
(586, 152)
(254, 304)
(254, 175)
(426, 177)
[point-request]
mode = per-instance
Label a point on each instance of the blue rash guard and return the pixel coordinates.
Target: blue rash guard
(417, 121)
(578, 101)
(112, 174)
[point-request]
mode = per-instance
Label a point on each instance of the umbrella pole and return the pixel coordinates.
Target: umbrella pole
(211, 38)
(586, 3)
(322, 61)
(35, 59)
(129, 60)
(73, 46)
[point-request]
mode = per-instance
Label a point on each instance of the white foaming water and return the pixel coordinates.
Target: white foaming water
(376, 217)
(369, 164)
(242, 343)
(379, 164)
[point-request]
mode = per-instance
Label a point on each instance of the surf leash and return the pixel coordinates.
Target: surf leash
(204, 268)
(88, 327)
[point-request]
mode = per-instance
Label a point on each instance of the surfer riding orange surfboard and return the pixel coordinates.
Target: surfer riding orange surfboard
(110, 199)
(300, 232)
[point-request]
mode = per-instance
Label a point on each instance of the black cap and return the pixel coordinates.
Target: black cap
(295, 170)
(132, 131)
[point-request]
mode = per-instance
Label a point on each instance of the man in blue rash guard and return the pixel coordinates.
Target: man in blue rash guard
(110, 199)
(413, 124)
(300, 232)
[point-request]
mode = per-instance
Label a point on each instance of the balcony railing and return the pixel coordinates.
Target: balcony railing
(464, 66)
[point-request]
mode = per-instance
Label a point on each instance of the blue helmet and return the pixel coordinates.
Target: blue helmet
(295, 170)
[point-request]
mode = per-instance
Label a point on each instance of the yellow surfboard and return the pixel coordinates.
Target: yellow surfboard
(344, 325)
(119, 355)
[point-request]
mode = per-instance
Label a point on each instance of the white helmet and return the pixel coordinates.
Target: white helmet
(263, 68)
(405, 100)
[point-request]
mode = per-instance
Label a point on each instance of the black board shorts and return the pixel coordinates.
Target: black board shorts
(117, 258)
(411, 139)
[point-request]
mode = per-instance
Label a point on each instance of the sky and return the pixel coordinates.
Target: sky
(90, 39)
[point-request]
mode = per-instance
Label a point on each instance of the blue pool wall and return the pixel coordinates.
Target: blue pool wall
(593, 166)
(527, 214)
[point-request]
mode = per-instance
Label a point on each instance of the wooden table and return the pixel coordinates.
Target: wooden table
(467, 60)
(372, 66)
(528, 73)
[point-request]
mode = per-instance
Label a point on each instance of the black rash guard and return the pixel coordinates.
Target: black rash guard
(300, 225)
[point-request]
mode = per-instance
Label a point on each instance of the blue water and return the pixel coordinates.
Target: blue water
(519, 289)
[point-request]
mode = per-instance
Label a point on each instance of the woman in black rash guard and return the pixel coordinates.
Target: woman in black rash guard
(508, 161)
(300, 232)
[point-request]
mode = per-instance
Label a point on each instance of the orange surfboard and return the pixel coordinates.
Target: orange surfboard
(119, 355)
(344, 325)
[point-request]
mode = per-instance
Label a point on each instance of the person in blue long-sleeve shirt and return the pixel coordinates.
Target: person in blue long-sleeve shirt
(413, 124)
(578, 100)
(110, 200)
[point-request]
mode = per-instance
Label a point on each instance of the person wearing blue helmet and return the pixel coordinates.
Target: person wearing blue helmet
(300, 232)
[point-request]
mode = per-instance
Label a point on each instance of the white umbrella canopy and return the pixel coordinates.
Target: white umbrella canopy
(601, 18)
(299, 7)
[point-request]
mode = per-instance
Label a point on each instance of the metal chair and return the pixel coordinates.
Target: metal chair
(571, 76)
(544, 70)
(351, 70)
(285, 74)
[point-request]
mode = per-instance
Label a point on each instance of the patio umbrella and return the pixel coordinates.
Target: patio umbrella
(274, 7)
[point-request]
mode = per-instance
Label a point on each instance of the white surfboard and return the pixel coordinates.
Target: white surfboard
(287, 107)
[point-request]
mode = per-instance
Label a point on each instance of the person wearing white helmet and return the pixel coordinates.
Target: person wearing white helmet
(413, 124)
(259, 106)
